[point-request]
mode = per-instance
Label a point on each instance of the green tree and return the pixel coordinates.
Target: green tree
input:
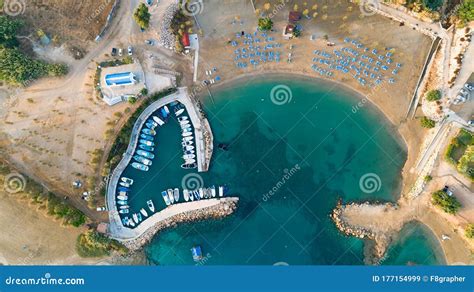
(433, 95)
(8, 29)
(427, 123)
(466, 11)
(142, 16)
(470, 230)
(448, 204)
(265, 24)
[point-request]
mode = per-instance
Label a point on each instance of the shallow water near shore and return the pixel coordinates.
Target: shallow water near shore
(290, 159)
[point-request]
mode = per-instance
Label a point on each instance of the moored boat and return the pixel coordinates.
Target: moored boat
(150, 126)
(158, 120)
(143, 211)
(176, 194)
(148, 132)
(123, 211)
(127, 180)
(146, 137)
(164, 194)
(123, 207)
(186, 134)
(189, 156)
(123, 189)
(146, 154)
(183, 118)
(213, 191)
(147, 143)
(221, 191)
(150, 121)
(124, 184)
(140, 218)
(123, 198)
(143, 160)
(188, 166)
(166, 110)
(170, 195)
(140, 166)
(190, 138)
(186, 195)
(201, 193)
(150, 205)
(147, 148)
(189, 161)
(187, 148)
(121, 202)
(135, 217)
(131, 223)
(197, 253)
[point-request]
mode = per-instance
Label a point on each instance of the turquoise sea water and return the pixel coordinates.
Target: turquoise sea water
(289, 163)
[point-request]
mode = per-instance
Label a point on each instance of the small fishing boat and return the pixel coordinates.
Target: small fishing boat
(191, 196)
(123, 211)
(150, 126)
(140, 218)
(144, 213)
(201, 193)
(146, 137)
(186, 195)
(188, 166)
(148, 132)
(166, 110)
(176, 194)
(164, 194)
(158, 120)
(179, 112)
(213, 191)
(183, 118)
(130, 222)
(196, 195)
(221, 191)
(189, 152)
(125, 221)
(170, 195)
(147, 143)
(187, 148)
(197, 253)
(187, 129)
(189, 161)
(184, 123)
(124, 184)
(186, 134)
(150, 205)
(124, 207)
(187, 143)
(123, 198)
(147, 148)
(140, 166)
(146, 154)
(153, 123)
(127, 180)
(189, 156)
(190, 138)
(163, 113)
(135, 217)
(121, 202)
(142, 160)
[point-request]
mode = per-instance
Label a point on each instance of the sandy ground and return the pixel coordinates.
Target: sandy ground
(43, 243)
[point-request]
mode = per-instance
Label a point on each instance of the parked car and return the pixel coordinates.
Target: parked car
(149, 42)
(130, 50)
(120, 52)
(470, 123)
(447, 191)
(100, 209)
(469, 86)
(114, 52)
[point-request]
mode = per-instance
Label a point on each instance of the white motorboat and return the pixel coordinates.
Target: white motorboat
(144, 213)
(124, 184)
(187, 129)
(221, 191)
(188, 148)
(164, 194)
(186, 195)
(151, 206)
(189, 161)
(130, 222)
(186, 134)
(158, 120)
(167, 110)
(123, 198)
(189, 156)
(213, 191)
(124, 207)
(201, 193)
(123, 211)
(170, 195)
(183, 118)
(176, 194)
(179, 112)
(191, 196)
(127, 180)
(135, 218)
(185, 122)
(190, 138)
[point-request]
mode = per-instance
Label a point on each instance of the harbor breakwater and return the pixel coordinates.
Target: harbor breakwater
(224, 208)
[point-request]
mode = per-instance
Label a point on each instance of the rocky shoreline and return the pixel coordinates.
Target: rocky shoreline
(225, 208)
(376, 244)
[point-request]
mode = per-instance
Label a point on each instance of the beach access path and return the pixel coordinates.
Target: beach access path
(116, 228)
